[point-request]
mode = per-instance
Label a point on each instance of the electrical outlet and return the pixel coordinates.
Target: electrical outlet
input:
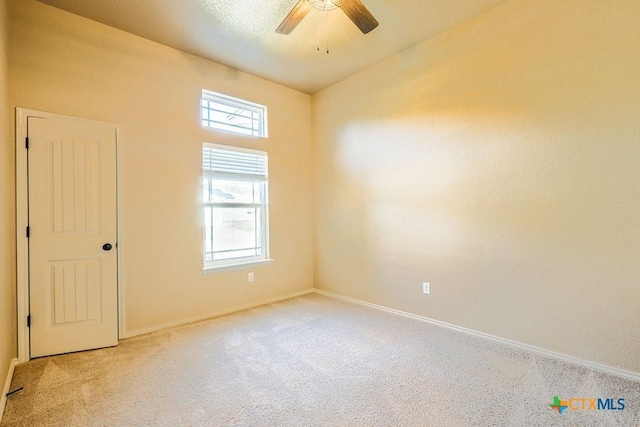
(250, 277)
(426, 288)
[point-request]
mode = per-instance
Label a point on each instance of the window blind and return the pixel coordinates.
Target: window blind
(231, 164)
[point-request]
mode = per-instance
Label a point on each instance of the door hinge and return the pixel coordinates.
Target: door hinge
(26, 143)
(28, 231)
(28, 321)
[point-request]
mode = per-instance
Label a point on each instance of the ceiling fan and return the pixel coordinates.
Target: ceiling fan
(354, 9)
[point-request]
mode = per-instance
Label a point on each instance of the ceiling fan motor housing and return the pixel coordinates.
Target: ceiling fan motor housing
(354, 9)
(325, 5)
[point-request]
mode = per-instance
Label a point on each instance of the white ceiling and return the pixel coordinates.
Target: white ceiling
(241, 33)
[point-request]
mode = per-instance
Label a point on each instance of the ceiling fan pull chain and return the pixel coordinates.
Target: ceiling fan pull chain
(326, 26)
(318, 33)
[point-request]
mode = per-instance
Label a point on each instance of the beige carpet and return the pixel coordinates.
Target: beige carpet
(310, 361)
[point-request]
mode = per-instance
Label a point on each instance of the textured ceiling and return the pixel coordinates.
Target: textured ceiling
(241, 33)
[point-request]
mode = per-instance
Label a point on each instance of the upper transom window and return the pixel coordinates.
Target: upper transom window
(229, 114)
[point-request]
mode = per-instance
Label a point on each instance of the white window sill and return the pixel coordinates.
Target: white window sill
(235, 266)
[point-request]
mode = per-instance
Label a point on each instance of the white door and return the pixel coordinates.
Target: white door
(72, 235)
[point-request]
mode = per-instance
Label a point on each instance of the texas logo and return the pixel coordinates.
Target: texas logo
(559, 405)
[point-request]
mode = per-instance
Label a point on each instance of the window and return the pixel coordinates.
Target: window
(235, 201)
(235, 115)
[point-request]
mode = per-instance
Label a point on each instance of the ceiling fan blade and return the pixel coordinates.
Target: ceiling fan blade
(299, 11)
(359, 14)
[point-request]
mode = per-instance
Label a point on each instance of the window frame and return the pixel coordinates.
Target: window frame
(261, 131)
(209, 266)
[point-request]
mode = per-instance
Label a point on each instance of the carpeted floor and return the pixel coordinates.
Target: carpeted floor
(311, 361)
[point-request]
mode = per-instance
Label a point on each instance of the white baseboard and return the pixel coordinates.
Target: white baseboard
(635, 376)
(137, 332)
(7, 385)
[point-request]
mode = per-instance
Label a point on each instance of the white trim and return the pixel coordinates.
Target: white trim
(22, 219)
(22, 244)
(634, 376)
(213, 315)
(236, 266)
(215, 96)
(7, 385)
(239, 149)
(122, 317)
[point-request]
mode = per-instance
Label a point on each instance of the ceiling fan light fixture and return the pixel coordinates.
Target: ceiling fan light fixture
(325, 5)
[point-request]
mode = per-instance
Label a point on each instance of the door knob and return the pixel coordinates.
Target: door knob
(107, 246)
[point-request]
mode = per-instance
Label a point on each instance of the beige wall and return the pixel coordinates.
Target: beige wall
(66, 64)
(7, 219)
(499, 161)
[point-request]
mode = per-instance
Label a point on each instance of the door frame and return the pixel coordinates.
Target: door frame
(22, 220)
